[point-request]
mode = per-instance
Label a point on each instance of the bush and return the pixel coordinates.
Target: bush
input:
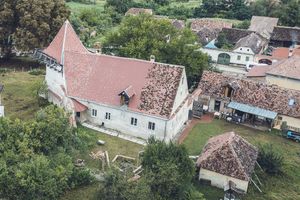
(80, 177)
(37, 72)
(270, 160)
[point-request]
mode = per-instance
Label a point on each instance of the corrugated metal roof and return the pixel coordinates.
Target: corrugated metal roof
(252, 110)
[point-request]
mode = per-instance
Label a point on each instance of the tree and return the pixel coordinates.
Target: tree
(29, 24)
(168, 169)
(143, 36)
(270, 160)
(121, 6)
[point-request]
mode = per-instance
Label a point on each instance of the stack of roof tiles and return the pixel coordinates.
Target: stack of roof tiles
(230, 155)
(100, 78)
(268, 97)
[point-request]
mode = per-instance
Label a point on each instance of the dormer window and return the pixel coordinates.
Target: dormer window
(126, 95)
(291, 102)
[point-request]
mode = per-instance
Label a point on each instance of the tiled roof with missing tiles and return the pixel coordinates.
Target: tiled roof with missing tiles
(230, 155)
(100, 78)
(268, 97)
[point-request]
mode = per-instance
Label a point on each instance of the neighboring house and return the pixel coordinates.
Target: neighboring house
(208, 29)
(243, 52)
(256, 103)
(1, 107)
(138, 11)
(136, 97)
(285, 36)
(263, 25)
(258, 73)
(227, 157)
(285, 73)
(233, 35)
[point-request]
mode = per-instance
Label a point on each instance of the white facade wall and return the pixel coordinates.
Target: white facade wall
(291, 121)
(220, 180)
(234, 55)
(182, 92)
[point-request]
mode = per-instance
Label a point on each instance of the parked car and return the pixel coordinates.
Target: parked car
(293, 135)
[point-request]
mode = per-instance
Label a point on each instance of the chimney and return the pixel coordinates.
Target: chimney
(152, 58)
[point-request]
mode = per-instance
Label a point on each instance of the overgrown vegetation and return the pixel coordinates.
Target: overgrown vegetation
(167, 174)
(270, 160)
(35, 157)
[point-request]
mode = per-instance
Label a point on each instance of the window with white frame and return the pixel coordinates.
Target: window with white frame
(151, 126)
(247, 58)
(238, 57)
(94, 113)
(133, 121)
(107, 115)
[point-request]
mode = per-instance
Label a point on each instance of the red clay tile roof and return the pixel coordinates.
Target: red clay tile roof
(230, 155)
(287, 68)
(259, 71)
(65, 40)
(78, 107)
(100, 78)
(269, 97)
(281, 52)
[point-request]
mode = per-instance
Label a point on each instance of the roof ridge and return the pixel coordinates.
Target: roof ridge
(237, 157)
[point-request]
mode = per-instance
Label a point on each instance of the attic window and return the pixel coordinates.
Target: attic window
(292, 102)
(228, 91)
(241, 49)
(126, 95)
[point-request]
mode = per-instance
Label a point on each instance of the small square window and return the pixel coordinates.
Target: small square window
(239, 57)
(94, 113)
(133, 121)
(247, 58)
(107, 115)
(151, 126)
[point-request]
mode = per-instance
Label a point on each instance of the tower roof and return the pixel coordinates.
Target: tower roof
(65, 40)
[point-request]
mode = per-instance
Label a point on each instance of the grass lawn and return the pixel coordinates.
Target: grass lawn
(113, 145)
(76, 7)
(18, 98)
(282, 187)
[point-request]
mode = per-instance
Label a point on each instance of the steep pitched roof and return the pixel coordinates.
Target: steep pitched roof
(230, 155)
(233, 35)
(289, 68)
(100, 78)
(263, 25)
(282, 33)
(253, 41)
(65, 40)
(268, 97)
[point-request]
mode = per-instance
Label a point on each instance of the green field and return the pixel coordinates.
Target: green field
(282, 187)
(76, 7)
(18, 99)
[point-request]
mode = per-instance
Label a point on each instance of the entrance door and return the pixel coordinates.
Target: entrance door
(217, 105)
(224, 59)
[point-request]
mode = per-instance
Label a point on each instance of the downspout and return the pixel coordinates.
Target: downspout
(165, 132)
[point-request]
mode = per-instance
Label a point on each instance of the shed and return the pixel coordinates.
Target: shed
(227, 157)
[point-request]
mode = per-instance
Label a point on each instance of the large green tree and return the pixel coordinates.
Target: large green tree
(35, 161)
(27, 24)
(143, 36)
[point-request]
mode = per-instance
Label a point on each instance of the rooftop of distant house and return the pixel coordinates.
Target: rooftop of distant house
(138, 11)
(263, 25)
